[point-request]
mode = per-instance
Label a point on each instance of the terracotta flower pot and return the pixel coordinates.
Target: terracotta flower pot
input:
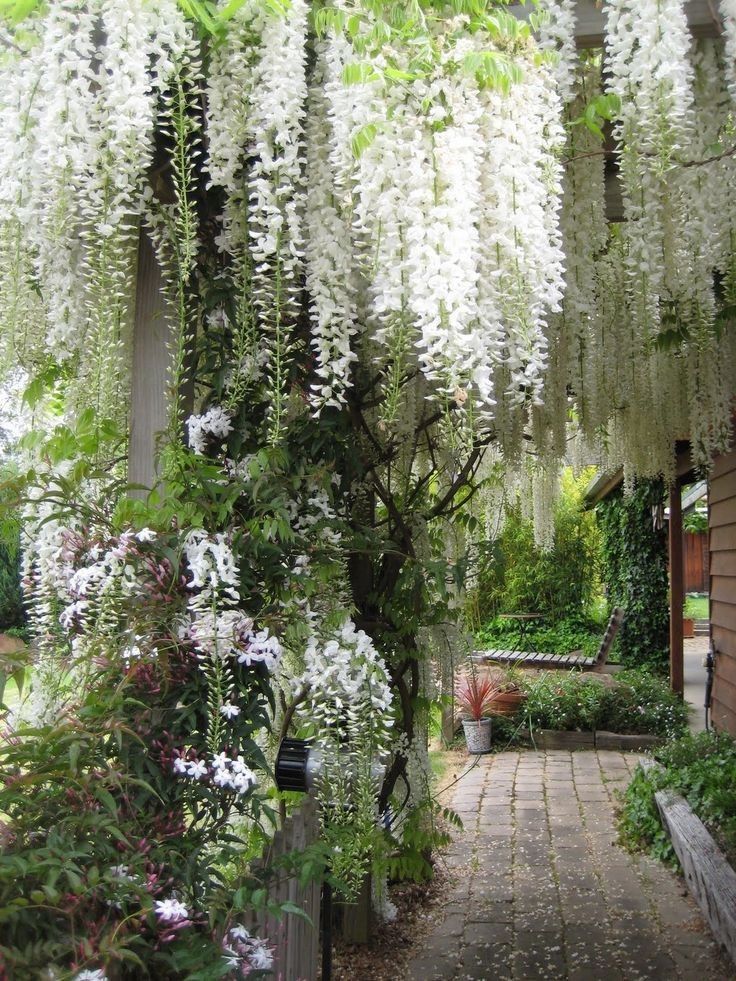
(688, 627)
(507, 702)
(477, 735)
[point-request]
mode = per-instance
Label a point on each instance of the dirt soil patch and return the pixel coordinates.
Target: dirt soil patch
(419, 908)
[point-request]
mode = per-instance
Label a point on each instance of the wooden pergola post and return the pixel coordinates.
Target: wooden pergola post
(677, 590)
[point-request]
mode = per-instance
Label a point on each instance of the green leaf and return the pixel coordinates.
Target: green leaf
(295, 910)
(16, 11)
(231, 9)
(363, 139)
(106, 798)
(358, 73)
(198, 12)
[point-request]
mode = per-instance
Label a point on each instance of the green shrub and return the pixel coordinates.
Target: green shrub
(701, 768)
(517, 577)
(641, 702)
(638, 703)
(570, 701)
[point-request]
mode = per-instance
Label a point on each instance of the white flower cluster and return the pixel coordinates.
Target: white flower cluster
(217, 628)
(454, 189)
(648, 45)
(257, 94)
(244, 953)
(227, 633)
(728, 16)
(79, 109)
(347, 683)
(170, 910)
(329, 249)
(216, 422)
(522, 281)
(673, 109)
(577, 349)
(225, 772)
(558, 34)
(212, 568)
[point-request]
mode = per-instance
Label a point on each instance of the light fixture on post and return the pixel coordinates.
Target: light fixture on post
(298, 765)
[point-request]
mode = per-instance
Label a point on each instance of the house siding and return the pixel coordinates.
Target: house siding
(722, 522)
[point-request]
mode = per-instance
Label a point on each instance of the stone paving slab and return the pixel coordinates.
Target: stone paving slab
(544, 891)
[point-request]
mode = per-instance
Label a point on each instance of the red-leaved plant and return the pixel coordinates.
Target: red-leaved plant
(475, 695)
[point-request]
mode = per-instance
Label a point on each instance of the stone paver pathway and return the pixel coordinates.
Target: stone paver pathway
(543, 891)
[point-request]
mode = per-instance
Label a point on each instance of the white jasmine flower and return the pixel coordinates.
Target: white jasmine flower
(215, 422)
(196, 769)
(229, 710)
(170, 910)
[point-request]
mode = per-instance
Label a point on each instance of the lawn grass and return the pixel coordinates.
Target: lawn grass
(697, 607)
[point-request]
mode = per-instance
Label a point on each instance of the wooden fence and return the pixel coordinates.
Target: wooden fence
(295, 939)
(695, 557)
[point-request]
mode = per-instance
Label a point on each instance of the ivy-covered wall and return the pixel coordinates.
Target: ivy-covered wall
(635, 571)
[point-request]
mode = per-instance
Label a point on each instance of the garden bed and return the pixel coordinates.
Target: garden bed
(681, 808)
(708, 874)
(567, 710)
(700, 768)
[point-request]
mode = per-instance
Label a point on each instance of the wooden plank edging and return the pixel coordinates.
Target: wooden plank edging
(592, 739)
(708, 875)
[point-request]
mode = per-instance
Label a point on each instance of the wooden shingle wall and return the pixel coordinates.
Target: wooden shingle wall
(722, 519)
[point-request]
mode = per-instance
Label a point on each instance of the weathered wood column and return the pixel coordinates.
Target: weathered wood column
(150, 374)
(677, 591)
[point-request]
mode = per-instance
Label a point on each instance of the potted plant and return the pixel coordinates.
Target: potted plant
(688, 621)
(511, 692)
(474, 694)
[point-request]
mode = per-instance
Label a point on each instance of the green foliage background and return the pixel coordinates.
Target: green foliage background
(562, 584)
(12, 613)
(635, 571)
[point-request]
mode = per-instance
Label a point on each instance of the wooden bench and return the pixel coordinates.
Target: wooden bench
(575, 659)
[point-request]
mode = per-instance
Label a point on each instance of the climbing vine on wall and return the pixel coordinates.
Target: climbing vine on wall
(635, 570)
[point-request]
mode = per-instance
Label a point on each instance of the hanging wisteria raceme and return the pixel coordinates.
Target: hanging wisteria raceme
(670, 267)
(276, 190)
(228, 93)
(344, 699)
(558, 34)
(648, 58)
(583, 221)
(709, 237)
(727, 10)
(84, 111)
(330, 259)
(459, 246)
(522, 266)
